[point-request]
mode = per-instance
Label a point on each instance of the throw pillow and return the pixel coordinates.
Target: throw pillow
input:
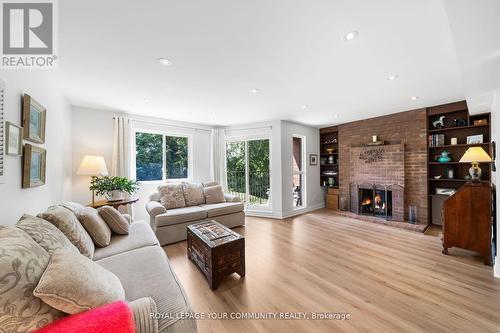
(193, 193)
(114, 219)
(67, 222)
(172, 196)
(95, 226)
(72, 283)
(22, 262)
(75, 207)
(214, 194)
(209, 184)
(45, 234)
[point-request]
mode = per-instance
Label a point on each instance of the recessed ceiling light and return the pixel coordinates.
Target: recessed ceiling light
(165, 61)
(414, 98)
(335, 116)
(254, 91)
(351, 35)
(146, 100)
(303, 107)
(392, 77)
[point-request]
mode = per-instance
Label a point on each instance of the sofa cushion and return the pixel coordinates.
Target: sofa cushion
(75, 207)
(114, 219)
(223, 208)
(172, 196)
(73, 283)
(45, 234)
(214, 194)
(22, 262)
(142, 309)
(162, 285)
(180, 215)
(140, 235)
(193, 193)
(209, 184)
(67, 222)
(95, 226)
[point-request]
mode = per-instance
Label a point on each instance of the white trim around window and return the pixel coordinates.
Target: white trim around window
(163, 133)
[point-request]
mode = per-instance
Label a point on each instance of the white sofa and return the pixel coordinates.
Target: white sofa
(170, 225)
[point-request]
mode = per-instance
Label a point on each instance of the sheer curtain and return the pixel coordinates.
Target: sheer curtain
(218, 162)
(122, 130)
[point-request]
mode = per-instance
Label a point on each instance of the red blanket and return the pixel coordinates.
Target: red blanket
(116, 317)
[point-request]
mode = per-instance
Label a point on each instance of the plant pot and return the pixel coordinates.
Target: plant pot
(115, 195)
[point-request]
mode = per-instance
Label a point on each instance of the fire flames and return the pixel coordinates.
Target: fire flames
(366, 201)
(379, 204)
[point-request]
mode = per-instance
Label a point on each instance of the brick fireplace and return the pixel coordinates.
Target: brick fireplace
(403, 163)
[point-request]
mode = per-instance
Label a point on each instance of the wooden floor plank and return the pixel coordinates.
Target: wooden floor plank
(388, 279)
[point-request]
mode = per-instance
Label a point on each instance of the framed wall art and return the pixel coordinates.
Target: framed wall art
(14, 136)
(34, 115)
(34, 166)
(313, 159)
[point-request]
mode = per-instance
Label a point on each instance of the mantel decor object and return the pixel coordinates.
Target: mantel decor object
(475, 155)
(372, 155)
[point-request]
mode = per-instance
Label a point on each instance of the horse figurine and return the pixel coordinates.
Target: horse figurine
(439, 123)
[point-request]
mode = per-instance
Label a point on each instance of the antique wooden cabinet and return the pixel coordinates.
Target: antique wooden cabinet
(467, 221)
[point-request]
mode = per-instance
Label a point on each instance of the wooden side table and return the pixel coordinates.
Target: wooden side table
(114, 204)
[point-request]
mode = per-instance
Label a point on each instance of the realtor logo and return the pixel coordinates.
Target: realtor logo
(28, 34)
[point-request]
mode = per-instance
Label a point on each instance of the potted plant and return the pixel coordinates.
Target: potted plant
(113, 187)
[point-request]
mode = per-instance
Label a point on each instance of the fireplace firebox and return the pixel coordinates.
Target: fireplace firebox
(375, 200)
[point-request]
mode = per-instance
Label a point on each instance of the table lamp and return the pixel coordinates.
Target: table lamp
(92, 166)
(475, 155)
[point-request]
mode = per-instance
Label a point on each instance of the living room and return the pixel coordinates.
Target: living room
(267, 166)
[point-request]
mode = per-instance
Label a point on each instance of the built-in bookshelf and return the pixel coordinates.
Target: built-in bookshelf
(329, 156)
(454, 135)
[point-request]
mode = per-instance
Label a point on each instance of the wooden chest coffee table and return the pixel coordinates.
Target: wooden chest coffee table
(216, 250)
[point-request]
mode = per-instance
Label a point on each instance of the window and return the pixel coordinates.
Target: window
(161, 157)
(298, 172)
(248, 171)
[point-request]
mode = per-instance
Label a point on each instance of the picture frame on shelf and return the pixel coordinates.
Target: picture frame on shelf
(14, 139)
(34, 118)
(34, 166)
(473, 139)
(313, 159)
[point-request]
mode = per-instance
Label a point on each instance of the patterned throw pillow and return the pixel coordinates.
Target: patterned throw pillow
(45, 234)
(114, 219)
(95, 226)
(22, 263)
(193, 193)
(73, 283)
(66, 221)
(75, 207)
(172, 196)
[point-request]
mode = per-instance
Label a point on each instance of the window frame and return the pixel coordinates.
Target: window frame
(303, 172)
(164, 157)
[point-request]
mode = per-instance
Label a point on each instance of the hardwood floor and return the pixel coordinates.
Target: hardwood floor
(388, 279)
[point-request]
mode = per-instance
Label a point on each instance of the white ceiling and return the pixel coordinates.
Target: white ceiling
(291, 50)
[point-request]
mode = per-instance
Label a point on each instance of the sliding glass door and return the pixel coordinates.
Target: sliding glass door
(248, 171)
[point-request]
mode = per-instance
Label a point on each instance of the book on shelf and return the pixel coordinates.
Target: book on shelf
(436, 140)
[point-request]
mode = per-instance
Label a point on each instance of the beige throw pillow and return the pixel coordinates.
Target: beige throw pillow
(45, 234)
(72, 283)
(95, 226)
(67, 222)
(114, 219)
(193, 193)
(214, 194)
(22, 262)
(172, 196)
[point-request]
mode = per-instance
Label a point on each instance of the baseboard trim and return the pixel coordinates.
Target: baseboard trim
(268, 214)
(308, 209)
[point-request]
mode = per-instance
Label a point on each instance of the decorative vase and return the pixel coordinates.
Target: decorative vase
(412, 215)
(444, 157)
(115, 195)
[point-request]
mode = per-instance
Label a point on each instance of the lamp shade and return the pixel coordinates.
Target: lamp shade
(475, 154)
(92, 166)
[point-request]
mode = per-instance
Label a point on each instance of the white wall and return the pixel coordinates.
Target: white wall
(93, 135)
(14, 201)
(314, 192)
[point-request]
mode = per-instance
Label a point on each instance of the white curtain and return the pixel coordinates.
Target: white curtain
(218, 148)
(120, 166)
